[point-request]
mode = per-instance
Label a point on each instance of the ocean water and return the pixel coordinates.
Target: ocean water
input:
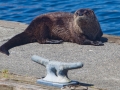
(107, 11)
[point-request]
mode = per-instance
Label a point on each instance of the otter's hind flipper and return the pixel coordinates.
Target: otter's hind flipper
(4, 51)
(53, 41)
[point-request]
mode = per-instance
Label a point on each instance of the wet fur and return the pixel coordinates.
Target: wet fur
(57, 27)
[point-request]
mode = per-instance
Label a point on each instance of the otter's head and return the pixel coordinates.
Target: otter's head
(87, 23)
(84, 15)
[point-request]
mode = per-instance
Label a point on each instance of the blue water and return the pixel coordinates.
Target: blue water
(107, 11)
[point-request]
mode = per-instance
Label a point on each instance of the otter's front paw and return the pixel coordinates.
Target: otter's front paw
(97, 43)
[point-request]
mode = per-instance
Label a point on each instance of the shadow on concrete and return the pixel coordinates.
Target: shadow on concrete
(85, 84)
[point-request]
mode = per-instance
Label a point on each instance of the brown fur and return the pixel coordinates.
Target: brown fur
(81, 27)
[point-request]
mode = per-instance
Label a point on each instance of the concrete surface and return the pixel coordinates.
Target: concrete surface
(101, 63)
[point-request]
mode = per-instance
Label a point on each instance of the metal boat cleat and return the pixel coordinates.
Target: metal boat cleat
(56, 72)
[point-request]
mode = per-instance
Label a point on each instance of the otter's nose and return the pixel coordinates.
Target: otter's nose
(82, 12)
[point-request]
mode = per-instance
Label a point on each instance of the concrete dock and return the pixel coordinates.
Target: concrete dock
(101, 63)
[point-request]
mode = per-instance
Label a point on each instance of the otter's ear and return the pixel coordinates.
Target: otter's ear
(92, 12)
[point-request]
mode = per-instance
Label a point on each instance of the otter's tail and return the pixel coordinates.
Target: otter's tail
(20, 39)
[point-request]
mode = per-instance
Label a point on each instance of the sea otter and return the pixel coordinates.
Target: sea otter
(82, 27)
